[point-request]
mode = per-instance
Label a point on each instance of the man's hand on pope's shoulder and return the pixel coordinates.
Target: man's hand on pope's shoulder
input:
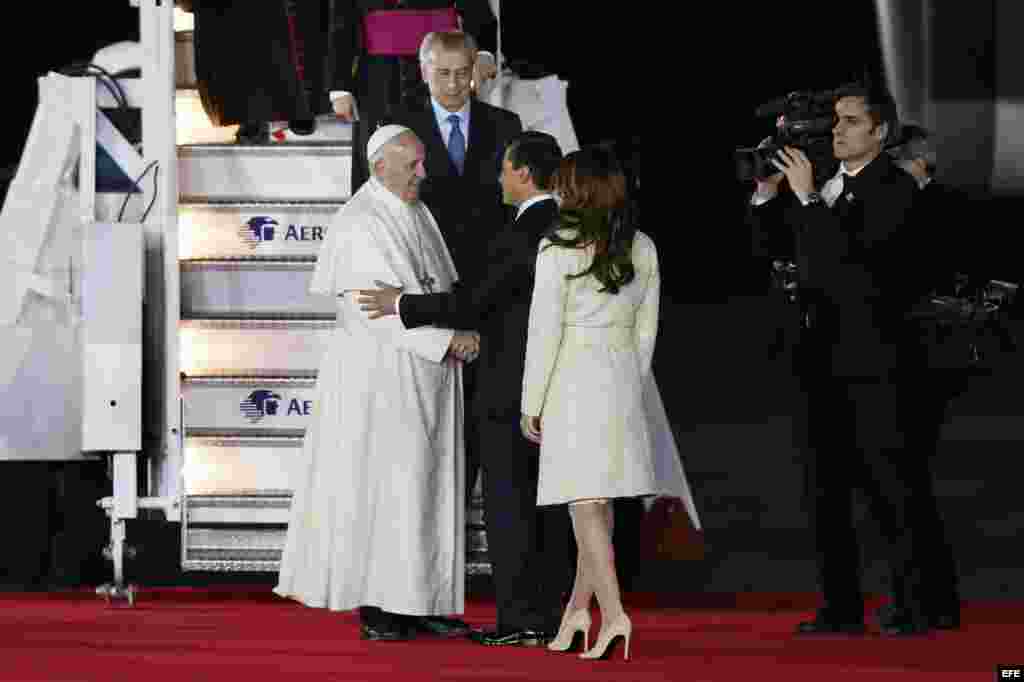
(797, 168)
(378, 302)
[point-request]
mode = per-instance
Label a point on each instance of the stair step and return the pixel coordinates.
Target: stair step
(240, 566)
(251, 289)
(228, 463)
(244, 406)
(269, 172)
(253, 229)
(264, 462)
(269, 560)
(235, 538)
(243, 508)
(193, 126)
(246, 533)
(255, 347)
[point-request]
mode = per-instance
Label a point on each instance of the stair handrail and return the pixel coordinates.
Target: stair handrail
(159, 143)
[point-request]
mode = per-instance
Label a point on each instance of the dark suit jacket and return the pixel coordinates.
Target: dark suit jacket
(498, 306)
(468, 207)
(861, 269)
(384, 84)
(956, 245)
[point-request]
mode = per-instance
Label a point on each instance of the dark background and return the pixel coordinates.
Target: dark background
(696, 93)
(692, 78)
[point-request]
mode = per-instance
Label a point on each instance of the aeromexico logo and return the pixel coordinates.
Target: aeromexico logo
(264, 404)
(261, 229)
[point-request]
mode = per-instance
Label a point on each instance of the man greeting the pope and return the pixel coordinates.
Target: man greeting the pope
(377, 516)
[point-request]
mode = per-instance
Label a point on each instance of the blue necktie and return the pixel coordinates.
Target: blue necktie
(457, 144)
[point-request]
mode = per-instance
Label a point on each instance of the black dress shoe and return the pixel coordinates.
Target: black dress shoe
(906, 627)
(512, 638)
(302, 126)
(385, 633)
(253, 132)
(944, 620)
(824, 625)
(900, 622)
(440, 627)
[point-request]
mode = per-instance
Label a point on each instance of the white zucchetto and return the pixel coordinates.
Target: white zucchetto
(382, 136)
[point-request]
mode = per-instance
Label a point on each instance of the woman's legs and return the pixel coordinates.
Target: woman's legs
(592, 523)
(582, 592)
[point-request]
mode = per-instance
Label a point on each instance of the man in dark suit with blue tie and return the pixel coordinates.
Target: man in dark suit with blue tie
(374, 62)
(865, 421)
(528, 545)
(464, 140)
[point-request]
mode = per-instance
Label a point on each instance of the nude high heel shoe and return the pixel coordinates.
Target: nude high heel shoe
(572, 624)
(608, 637)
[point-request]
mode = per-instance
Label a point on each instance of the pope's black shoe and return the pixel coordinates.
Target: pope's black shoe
(378, 625)
(385, 632)
(823, 624)
(440, 627)
(511, 638)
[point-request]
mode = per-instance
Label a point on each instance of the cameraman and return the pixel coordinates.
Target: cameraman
(858, 251)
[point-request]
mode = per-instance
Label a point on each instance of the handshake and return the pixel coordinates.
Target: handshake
(464, 346)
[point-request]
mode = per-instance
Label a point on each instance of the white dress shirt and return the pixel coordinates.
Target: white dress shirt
(530, 202)
(834, 187)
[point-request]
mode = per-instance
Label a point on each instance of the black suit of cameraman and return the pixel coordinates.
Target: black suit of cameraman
(866, 421)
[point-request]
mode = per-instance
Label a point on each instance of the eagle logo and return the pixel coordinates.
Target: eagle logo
(259, 404)
(257, 230)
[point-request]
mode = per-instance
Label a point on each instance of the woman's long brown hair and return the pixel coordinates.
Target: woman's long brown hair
(595, 209)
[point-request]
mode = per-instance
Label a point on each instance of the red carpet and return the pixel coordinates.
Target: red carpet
(196, 635)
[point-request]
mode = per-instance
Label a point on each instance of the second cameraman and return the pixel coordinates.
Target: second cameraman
(861, 265)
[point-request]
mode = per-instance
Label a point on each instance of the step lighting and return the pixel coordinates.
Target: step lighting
(183, 21)
(197, 471)
(192, 124)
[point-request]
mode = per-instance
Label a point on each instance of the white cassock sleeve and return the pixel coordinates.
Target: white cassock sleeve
(647, 315)
(547, 314)
(350, 260)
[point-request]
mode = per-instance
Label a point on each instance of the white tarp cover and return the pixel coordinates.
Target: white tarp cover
(40, 330)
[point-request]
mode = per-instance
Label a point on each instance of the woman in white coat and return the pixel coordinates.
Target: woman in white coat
(593, 323)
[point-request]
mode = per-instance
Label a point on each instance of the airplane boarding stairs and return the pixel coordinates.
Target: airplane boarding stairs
(251, 220)
(177, 326)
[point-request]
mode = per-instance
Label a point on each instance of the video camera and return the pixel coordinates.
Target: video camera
(804, 120)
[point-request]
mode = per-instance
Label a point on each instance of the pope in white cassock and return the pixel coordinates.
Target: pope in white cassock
(377, 517)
